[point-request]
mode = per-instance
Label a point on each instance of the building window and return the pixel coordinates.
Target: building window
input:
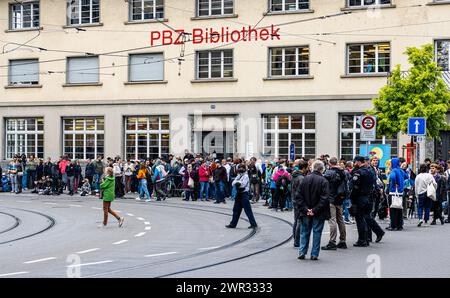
(24, 136)
(82, 70)
(23, 72)
(84, 137)
(280, 131)
(215, 7)
(146, 10)
(442, 48)
(368, 58)
(24, 15)
(289, 61)
(350, 142)
(146, 67)
(83, 12)
(353, 3)
(288, 5)
(215, 64)
(146, 137)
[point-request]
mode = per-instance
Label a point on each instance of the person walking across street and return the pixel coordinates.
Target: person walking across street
(338, 192)
(314, 209)
(242, 201)
(108, 195)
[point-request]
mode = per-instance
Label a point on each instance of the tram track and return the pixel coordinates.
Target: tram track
(17, 222)
(50, 225)
(190, 256)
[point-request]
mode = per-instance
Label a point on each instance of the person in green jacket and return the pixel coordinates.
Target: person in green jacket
(108, 194)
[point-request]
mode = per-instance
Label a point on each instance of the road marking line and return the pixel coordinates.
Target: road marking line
(140, 234)
(86, 251)
(140, 218)
(40, 260)
(50, 203)
(75, 206)
(161, 254)
(1, 201)
(120, 242)
(146, 223)
(96, 208)
(14, 273)
(148, 228)
(89, 264)
(24, 201)
(208, 248)
(129, 214)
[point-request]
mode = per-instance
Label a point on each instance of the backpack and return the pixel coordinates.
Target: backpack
(343, 190)
(282, 182)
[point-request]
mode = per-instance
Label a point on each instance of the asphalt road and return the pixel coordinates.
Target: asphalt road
(46, 236)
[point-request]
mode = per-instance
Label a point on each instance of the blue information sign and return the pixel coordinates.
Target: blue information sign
(417, 126)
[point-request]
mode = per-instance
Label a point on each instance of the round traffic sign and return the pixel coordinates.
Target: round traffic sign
(368, 122)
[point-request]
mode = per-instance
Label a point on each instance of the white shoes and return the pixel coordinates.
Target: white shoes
(121, 222)
(138, 199)
(101, 226)
(148, 200)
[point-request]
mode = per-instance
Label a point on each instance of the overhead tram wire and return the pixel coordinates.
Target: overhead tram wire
(170, 59)
(155, 46)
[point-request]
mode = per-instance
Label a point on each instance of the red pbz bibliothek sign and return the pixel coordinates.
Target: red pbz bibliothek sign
(212, 36)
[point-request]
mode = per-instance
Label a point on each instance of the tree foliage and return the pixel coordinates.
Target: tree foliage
(420, 92)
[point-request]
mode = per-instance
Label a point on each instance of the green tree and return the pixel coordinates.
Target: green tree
(420, 92)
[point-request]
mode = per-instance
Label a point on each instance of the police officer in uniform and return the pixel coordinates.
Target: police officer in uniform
(363, 182)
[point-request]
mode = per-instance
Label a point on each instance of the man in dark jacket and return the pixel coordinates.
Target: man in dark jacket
(298, 175)
(338, 192)
(220, 178)
(314, 209)
(89, 172)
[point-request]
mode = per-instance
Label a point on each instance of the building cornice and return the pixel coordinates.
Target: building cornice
(176, 101)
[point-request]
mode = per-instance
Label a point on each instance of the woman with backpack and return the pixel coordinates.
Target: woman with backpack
(282, 180)
(142, 177)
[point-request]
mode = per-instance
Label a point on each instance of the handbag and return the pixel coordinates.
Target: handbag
(191, 182)
(431, 192)
(396, 201)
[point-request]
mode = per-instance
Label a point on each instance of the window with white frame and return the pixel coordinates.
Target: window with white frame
(140, 10)
(368, 58)
(215, 7)
(288, 5)
(146, 67)
(292, 61)
(24, 136)
(350, 142)
(353, 3)
(280, 131)
(82, 70)
(442, 48)
(24, 15)
(23, 72)
(84, 137)
(147, 137)
(215, 64)
(83, 12)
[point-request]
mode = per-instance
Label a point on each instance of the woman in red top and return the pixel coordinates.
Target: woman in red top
(204, 174)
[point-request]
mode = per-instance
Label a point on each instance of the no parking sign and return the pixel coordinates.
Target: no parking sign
(368, 128)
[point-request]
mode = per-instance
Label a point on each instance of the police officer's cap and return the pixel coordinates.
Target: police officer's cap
(358, 158)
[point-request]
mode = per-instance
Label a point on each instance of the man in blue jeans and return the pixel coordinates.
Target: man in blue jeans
(314, 209)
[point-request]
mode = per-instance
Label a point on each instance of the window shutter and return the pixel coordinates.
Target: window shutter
(23, 72)
(146, 67)
(81, 70)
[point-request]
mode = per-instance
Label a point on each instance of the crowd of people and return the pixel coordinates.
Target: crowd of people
(317, 190)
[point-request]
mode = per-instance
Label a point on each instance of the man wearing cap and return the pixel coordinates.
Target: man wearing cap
(363, 181)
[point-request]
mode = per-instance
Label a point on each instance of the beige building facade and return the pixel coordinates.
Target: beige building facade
(87, 78)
